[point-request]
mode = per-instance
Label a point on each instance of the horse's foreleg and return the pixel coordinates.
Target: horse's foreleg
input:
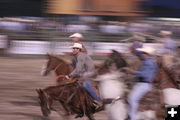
(90, 116)
(66, 110)
(43, 103)
(64, 113)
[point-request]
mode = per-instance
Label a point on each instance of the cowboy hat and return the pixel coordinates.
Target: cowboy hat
(78, 35)
(146, 49)
(77, 45)
(163, 32)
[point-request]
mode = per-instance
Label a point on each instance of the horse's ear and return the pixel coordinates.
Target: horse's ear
(37, 90)
(114, 51)
(48, 55)
(40, 90)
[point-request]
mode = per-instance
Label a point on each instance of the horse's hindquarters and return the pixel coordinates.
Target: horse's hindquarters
(171, 96)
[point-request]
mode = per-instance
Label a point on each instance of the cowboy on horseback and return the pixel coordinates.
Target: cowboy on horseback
(76, 38)
(144, 75)
(84, 69)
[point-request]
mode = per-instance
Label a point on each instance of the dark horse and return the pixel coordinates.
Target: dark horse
(71, 95)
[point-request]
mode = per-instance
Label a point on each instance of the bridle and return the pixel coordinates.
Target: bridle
(59, 76)
(57, 66)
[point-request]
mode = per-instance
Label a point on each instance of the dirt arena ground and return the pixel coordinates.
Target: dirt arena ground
(18, 99)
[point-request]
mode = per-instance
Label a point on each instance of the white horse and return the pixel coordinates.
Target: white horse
(111, 86)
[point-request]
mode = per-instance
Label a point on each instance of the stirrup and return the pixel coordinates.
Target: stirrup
(98, 105)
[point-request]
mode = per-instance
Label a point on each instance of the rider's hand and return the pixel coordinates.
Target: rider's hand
(67, 77)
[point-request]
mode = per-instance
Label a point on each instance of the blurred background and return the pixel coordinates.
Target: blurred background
(29, 29)
(41, 26)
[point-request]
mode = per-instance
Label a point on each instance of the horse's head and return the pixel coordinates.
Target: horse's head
(110, 71)
(48, 66)
(115, 61)
(53, 63)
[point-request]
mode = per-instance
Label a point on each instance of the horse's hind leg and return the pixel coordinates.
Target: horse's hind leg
(45, 111)
(66, 109)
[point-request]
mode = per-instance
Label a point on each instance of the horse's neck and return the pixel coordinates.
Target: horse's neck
(62, 68)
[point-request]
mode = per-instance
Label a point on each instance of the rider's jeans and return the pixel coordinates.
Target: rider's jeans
(139, 90)
(88, 88)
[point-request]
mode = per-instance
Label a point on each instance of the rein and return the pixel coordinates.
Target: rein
(57, 66)
(111, 100)
(59, 76)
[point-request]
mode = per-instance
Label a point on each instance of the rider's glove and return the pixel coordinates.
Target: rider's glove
(67, 77)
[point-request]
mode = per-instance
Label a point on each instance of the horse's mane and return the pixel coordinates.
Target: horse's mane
(116, 58)
(58, 58)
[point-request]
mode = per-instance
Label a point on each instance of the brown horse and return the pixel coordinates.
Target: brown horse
(72, 95)
(168, 85)
(58, 65)
(61, 68)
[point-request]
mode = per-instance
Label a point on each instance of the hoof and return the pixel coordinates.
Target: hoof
(79, 116)
(45, 112)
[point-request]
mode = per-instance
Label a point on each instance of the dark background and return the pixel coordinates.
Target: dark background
(154, 8)
(21, 7)
(162, 8)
